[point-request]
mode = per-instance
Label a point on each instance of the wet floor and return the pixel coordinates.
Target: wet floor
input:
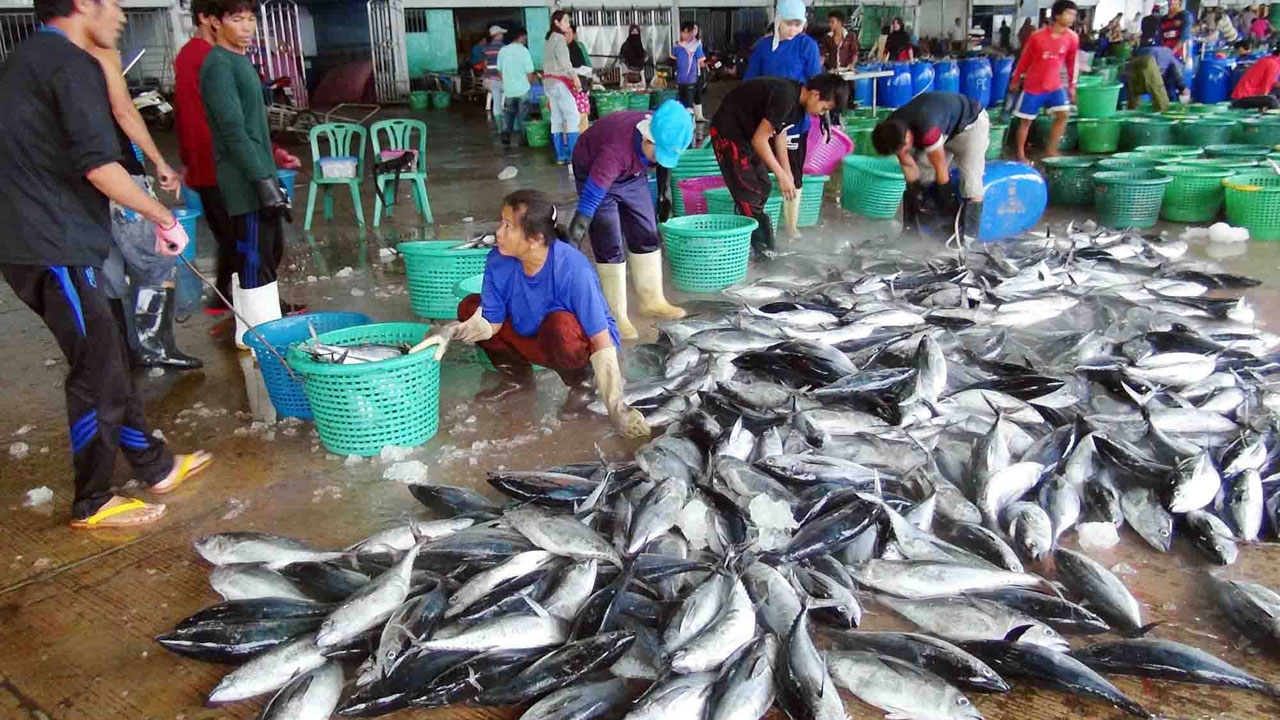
(78, 610)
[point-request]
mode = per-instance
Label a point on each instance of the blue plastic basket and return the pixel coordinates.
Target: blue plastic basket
(286, 393)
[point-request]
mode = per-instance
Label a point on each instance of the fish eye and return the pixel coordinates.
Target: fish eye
(1164, 533)
(963, 702)
(391, 654)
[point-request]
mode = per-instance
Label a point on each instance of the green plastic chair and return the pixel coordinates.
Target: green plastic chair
(399, 135)
(345, 139)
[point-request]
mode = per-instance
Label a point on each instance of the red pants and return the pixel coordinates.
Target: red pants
(561, 344)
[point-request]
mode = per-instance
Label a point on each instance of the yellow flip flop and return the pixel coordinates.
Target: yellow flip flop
(106, 513)
(187, 467)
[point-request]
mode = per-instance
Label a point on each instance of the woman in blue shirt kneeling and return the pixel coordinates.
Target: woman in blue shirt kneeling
(541, 304)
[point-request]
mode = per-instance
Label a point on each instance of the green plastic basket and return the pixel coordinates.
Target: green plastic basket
(1089, 79)
(996, 146)
(1253, 202)
(433, 269)
(1208, 108)
(811, 200)
(1218, 163)
(1070, 179)
(1099, 135)
(608, 103)
(440, 99)
(418, 100)
(1166, 152)
(872, 187)
(1194, 195)
(1127, 163)
(360, 409)
(538, 133)
(1129, 198)
(1098, 101)
(1206, 130)
(657, 97)
(1146, 130)
(708, 253)
(638, 101)
(720, 202)
(1229, 150)
(1263, 130)
(1042, 126)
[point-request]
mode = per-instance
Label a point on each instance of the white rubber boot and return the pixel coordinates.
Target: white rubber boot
(260, 304)
(646, 274)
(237, 303)
(613, 281)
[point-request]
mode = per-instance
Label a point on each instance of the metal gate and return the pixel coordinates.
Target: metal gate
(149, 29)
(278, 51)
(390, 59)
(14, 28)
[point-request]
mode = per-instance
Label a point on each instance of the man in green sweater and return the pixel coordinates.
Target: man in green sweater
(232, 95)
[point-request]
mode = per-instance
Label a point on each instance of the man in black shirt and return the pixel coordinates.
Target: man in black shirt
(928, 127)
(749, 136)
(58, 169)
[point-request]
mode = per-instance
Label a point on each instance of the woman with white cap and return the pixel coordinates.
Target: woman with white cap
(789, 53)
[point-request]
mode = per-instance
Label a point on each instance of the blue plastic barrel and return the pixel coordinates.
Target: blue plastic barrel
(1014, 199)
(286, 391)
(975, 80)
(1001, 69)
(862, 88)
(1213, 80)
(895, 91)
(946, 76)
(921, 77)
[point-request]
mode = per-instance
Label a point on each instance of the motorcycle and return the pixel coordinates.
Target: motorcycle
(154, 107)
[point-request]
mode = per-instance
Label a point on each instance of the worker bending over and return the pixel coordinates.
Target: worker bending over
(926, 129)
(1154, 71)
(610, 166)
(540, 303)
(749, 134)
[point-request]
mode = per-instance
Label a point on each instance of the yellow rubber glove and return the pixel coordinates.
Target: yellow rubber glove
(626, 419)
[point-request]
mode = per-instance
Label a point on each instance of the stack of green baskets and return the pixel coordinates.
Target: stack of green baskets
(720, 202)
(1099, 135)
(872, 187)
(1168, 152)
(1194, 194)
(1070, 179)
(1204, 130)
(859, 130)
(433, 269)
(1129, 198)
(637, 100)
(660, 96)
(996, 146)
(1229, 150)
(360, 409)
(708, 253)
(1090, 79)
(1146, 130)
(608, 103)
(1253, 202)
(1097, 101)
(1133, 162)
(1043, 126)
(538, 132)
(699, 162)
(1264, 130)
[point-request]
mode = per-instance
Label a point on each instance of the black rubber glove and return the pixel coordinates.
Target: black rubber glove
(273, 199)
(578, 229)
(664, 194)
(944, 198)
(912, 200)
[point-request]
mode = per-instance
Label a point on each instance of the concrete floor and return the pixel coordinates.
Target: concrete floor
(78, 610)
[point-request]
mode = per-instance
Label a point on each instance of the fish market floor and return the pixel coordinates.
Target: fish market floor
(79, 610)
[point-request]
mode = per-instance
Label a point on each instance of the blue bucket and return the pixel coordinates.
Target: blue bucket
(286, 393)
(191, 199)
(287, 179)
(188, 217)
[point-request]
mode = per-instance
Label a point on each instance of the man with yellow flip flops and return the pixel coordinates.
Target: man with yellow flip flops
(610, 164)
(58, 172)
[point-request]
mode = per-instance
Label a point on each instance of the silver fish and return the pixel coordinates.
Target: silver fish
(679, 696)
(561, 535)
(730, 630)
(777, 601)
(930, 579)
(272, 551)
(1061, 500)
(1106, 594)
(268, 672)
(371, 605)
(1030, 528)
(403, 537)
(520, 631)
(573, 590)
(963, 618)
(311, 696)
(696, 612)
(745, 690)
(579, 702)
(899, 688)
(805, 678)
(250, 582)
(1195, 483)
(1212, 536)
(484, 582)
(1147, 516)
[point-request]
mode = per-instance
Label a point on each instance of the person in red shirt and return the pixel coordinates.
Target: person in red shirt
(1175, 29)
(1258, 89)
(1043, 57)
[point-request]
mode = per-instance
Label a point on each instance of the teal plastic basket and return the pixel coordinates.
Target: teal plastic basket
(708, 253)
(811, 199)
(360, 409)
(872, 187)
(434, 268)
(287, 394)
(720, 202)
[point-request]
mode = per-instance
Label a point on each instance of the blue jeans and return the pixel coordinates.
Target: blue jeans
(515, 111)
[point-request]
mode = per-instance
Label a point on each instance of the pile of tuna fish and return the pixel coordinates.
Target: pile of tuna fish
(906, 433)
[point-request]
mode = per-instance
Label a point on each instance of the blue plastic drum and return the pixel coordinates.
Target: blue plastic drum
(921, 78)
(1014, 199)
(975, 80)
(1001, 69)
(862, 88)
(946, 76)
(1213, 80)
(895, 91)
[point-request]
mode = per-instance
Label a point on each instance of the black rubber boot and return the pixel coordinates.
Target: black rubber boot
(581, 391)
(970, 221)
(912, 204)
(515, 375)
(153, 321)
